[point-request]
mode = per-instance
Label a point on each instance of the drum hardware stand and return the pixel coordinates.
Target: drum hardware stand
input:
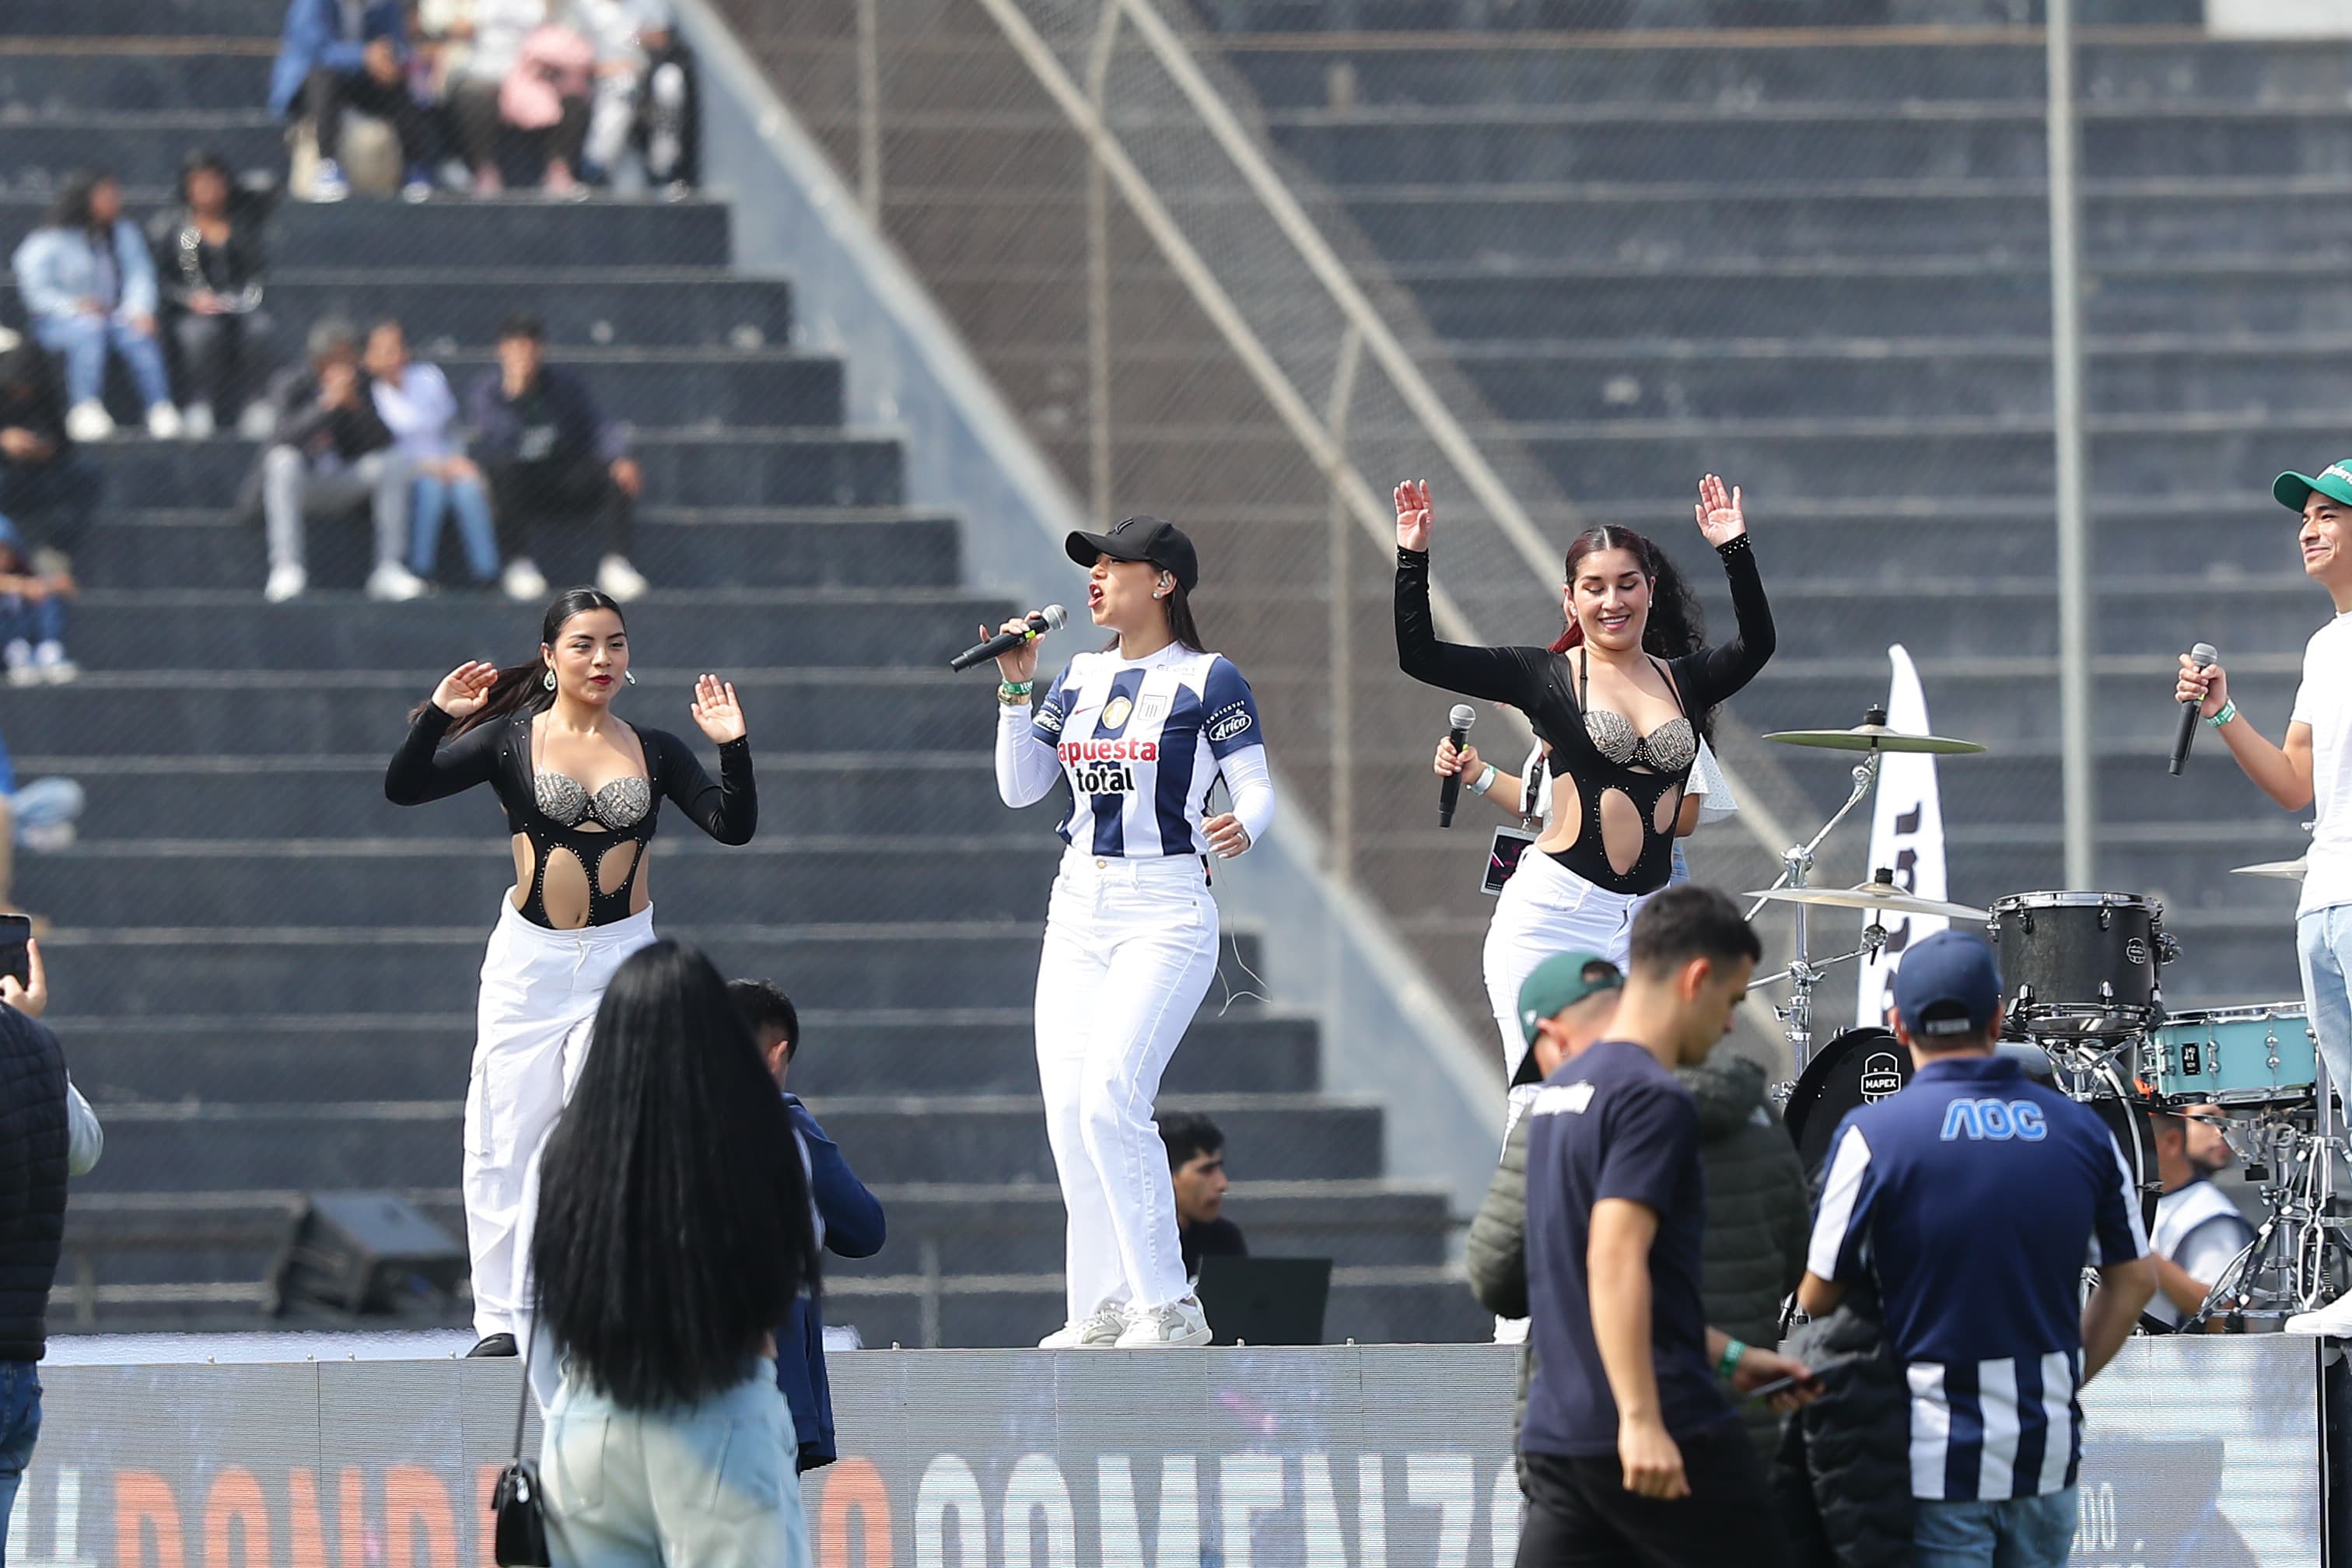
(1802, 974)
(2285, 1269)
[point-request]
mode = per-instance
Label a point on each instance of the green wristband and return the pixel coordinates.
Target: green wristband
(1732, 1351)
(1009, 689)
(2228, 711)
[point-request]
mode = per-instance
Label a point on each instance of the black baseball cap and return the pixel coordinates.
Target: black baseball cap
(1142, 538)
(1947, 985)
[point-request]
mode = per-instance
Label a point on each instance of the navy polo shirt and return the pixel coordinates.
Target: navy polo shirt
(1612, 1123)
(1978, 1198)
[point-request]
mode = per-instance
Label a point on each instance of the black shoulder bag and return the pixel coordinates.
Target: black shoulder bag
(519, 1536)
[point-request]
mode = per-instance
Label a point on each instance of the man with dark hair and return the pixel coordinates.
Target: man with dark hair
(2199, 1231)
(1196, 1168)
(552, 456)
(330, 456)
(1973, 1198)
(1630, 1451)
(849, 1221)
(34, 1142)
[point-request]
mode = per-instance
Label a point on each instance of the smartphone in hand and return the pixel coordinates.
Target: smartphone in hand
(15, 930)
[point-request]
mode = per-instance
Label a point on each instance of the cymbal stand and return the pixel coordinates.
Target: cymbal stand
(1796, 864)
(2285, 1269)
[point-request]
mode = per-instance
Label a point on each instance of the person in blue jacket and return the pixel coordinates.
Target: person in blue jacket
(334, 56)
(848, 1223)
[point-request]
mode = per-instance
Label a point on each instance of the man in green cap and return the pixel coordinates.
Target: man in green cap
(2313, 768)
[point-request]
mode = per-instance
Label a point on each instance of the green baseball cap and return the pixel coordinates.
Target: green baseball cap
(2294, 490)
(1560, 983)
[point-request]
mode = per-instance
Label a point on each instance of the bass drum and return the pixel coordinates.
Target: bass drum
(2108, 1097)
(1857, 1068)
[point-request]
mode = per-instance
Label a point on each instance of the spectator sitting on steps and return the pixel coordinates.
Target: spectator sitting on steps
(49, 491)
(340, 54)
(330, 455)
(88, 285)
(550, 455)
(1196, 1169)
(32, 597)
(208, 256)
(415, 404)
(39, 816)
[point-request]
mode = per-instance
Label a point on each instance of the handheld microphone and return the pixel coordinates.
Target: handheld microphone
(1462, 718)
(1049, 619)
(2202, 656)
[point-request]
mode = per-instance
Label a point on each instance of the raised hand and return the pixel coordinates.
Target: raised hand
(30, 996)
(1021, 664)
(1413, 514)
(1227, 836)
(2208, 688)
(464, 689)
(1720, 517)
(716, 709)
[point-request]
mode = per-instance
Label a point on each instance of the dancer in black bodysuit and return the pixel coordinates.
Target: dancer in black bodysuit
(580, 790)
(1619, 722)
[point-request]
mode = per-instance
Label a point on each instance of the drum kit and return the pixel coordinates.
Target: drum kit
(2084, 1012)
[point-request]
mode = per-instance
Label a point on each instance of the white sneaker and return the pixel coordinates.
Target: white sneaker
(1097, 1332)
(163, 422)
(523, 580)
(55, 667)
(392, 581)
(618, 578)
(47, 838)
(90, 421)
(196, 422)
(19, 655)
(329, 185)
(285, 583)
(2332, 1321)
(1166, 1327)
(1510, 1331)
(257, 423)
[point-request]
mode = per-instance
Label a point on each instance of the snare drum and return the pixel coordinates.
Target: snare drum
(2079, 964)
(2235, 1055)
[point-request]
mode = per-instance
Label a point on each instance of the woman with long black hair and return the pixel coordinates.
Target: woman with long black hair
(1622, 722)
(674, 1233)
(580, 790)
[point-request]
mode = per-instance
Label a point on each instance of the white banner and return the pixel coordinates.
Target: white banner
(1906, 834)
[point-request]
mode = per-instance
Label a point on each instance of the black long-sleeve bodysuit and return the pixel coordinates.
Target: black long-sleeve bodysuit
(1542, 685)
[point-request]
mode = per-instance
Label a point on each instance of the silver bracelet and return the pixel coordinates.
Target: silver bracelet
(1486, 780)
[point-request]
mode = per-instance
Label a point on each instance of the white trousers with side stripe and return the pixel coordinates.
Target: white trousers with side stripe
(1131, 946)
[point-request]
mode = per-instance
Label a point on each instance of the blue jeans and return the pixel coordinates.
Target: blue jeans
(82, 341)
(34, 621)
(2322, 944)
(20, 1428)
(2014, 1532)
(471, 501)
(41, 805)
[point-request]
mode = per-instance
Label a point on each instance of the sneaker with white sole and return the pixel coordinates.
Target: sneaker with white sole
(393, 581)
(163, 422)
(1176, 1324)
(618, 578)
(49, 659)
(2333, 1322)
(286, 582)
(19, 656)
(89, 421)
(1098, 1331)
(196, 422)
(330, 183)
(523, 580)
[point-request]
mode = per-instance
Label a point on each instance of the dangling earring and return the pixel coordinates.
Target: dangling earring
(548, 680)
(629, 677)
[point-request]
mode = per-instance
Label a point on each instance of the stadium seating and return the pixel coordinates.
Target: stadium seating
(265, 973)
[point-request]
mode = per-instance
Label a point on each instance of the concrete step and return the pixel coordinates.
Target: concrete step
(194, 629)
(2006, 703)
(255, 19)
(879, 796)
(143, 147)
(233, 715)
(391, 884)
(751, 468)
(144, 972)
(995, 1138)
(596, 306)
(50, 78)
(682, 547)
(941, 1049)
(1507, 18)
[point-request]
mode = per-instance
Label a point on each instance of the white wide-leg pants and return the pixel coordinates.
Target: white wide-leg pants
(1131, 946)
(1545, 909)
(540, 988)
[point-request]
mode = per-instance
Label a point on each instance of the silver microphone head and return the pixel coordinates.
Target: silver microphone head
(2203, 655)
(1055, 618)
(1463, 716)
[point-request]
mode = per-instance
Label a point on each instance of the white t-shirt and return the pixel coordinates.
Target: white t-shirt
(2324, 702)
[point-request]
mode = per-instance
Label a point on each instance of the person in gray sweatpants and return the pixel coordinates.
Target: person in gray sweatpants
(332, 455)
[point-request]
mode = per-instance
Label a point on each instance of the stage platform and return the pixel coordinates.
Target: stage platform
(310, 1452)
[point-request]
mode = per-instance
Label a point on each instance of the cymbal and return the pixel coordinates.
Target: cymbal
(2285, 871)
(1875, 738)
(1876, 896)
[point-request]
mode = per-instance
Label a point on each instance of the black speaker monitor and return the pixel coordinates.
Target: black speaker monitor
(366, 1254)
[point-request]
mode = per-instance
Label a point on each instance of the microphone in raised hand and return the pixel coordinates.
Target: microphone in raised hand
(1051, 618)
(2201, 656)
(1450, 792)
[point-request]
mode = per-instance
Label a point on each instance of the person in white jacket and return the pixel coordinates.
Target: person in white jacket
(415, 404)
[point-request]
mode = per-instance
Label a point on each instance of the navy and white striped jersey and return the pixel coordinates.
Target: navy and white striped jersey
(1977, 1197)
(1142, 740)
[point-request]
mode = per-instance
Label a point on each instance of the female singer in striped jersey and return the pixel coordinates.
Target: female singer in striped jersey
(1143, 730)
(1623, 723)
